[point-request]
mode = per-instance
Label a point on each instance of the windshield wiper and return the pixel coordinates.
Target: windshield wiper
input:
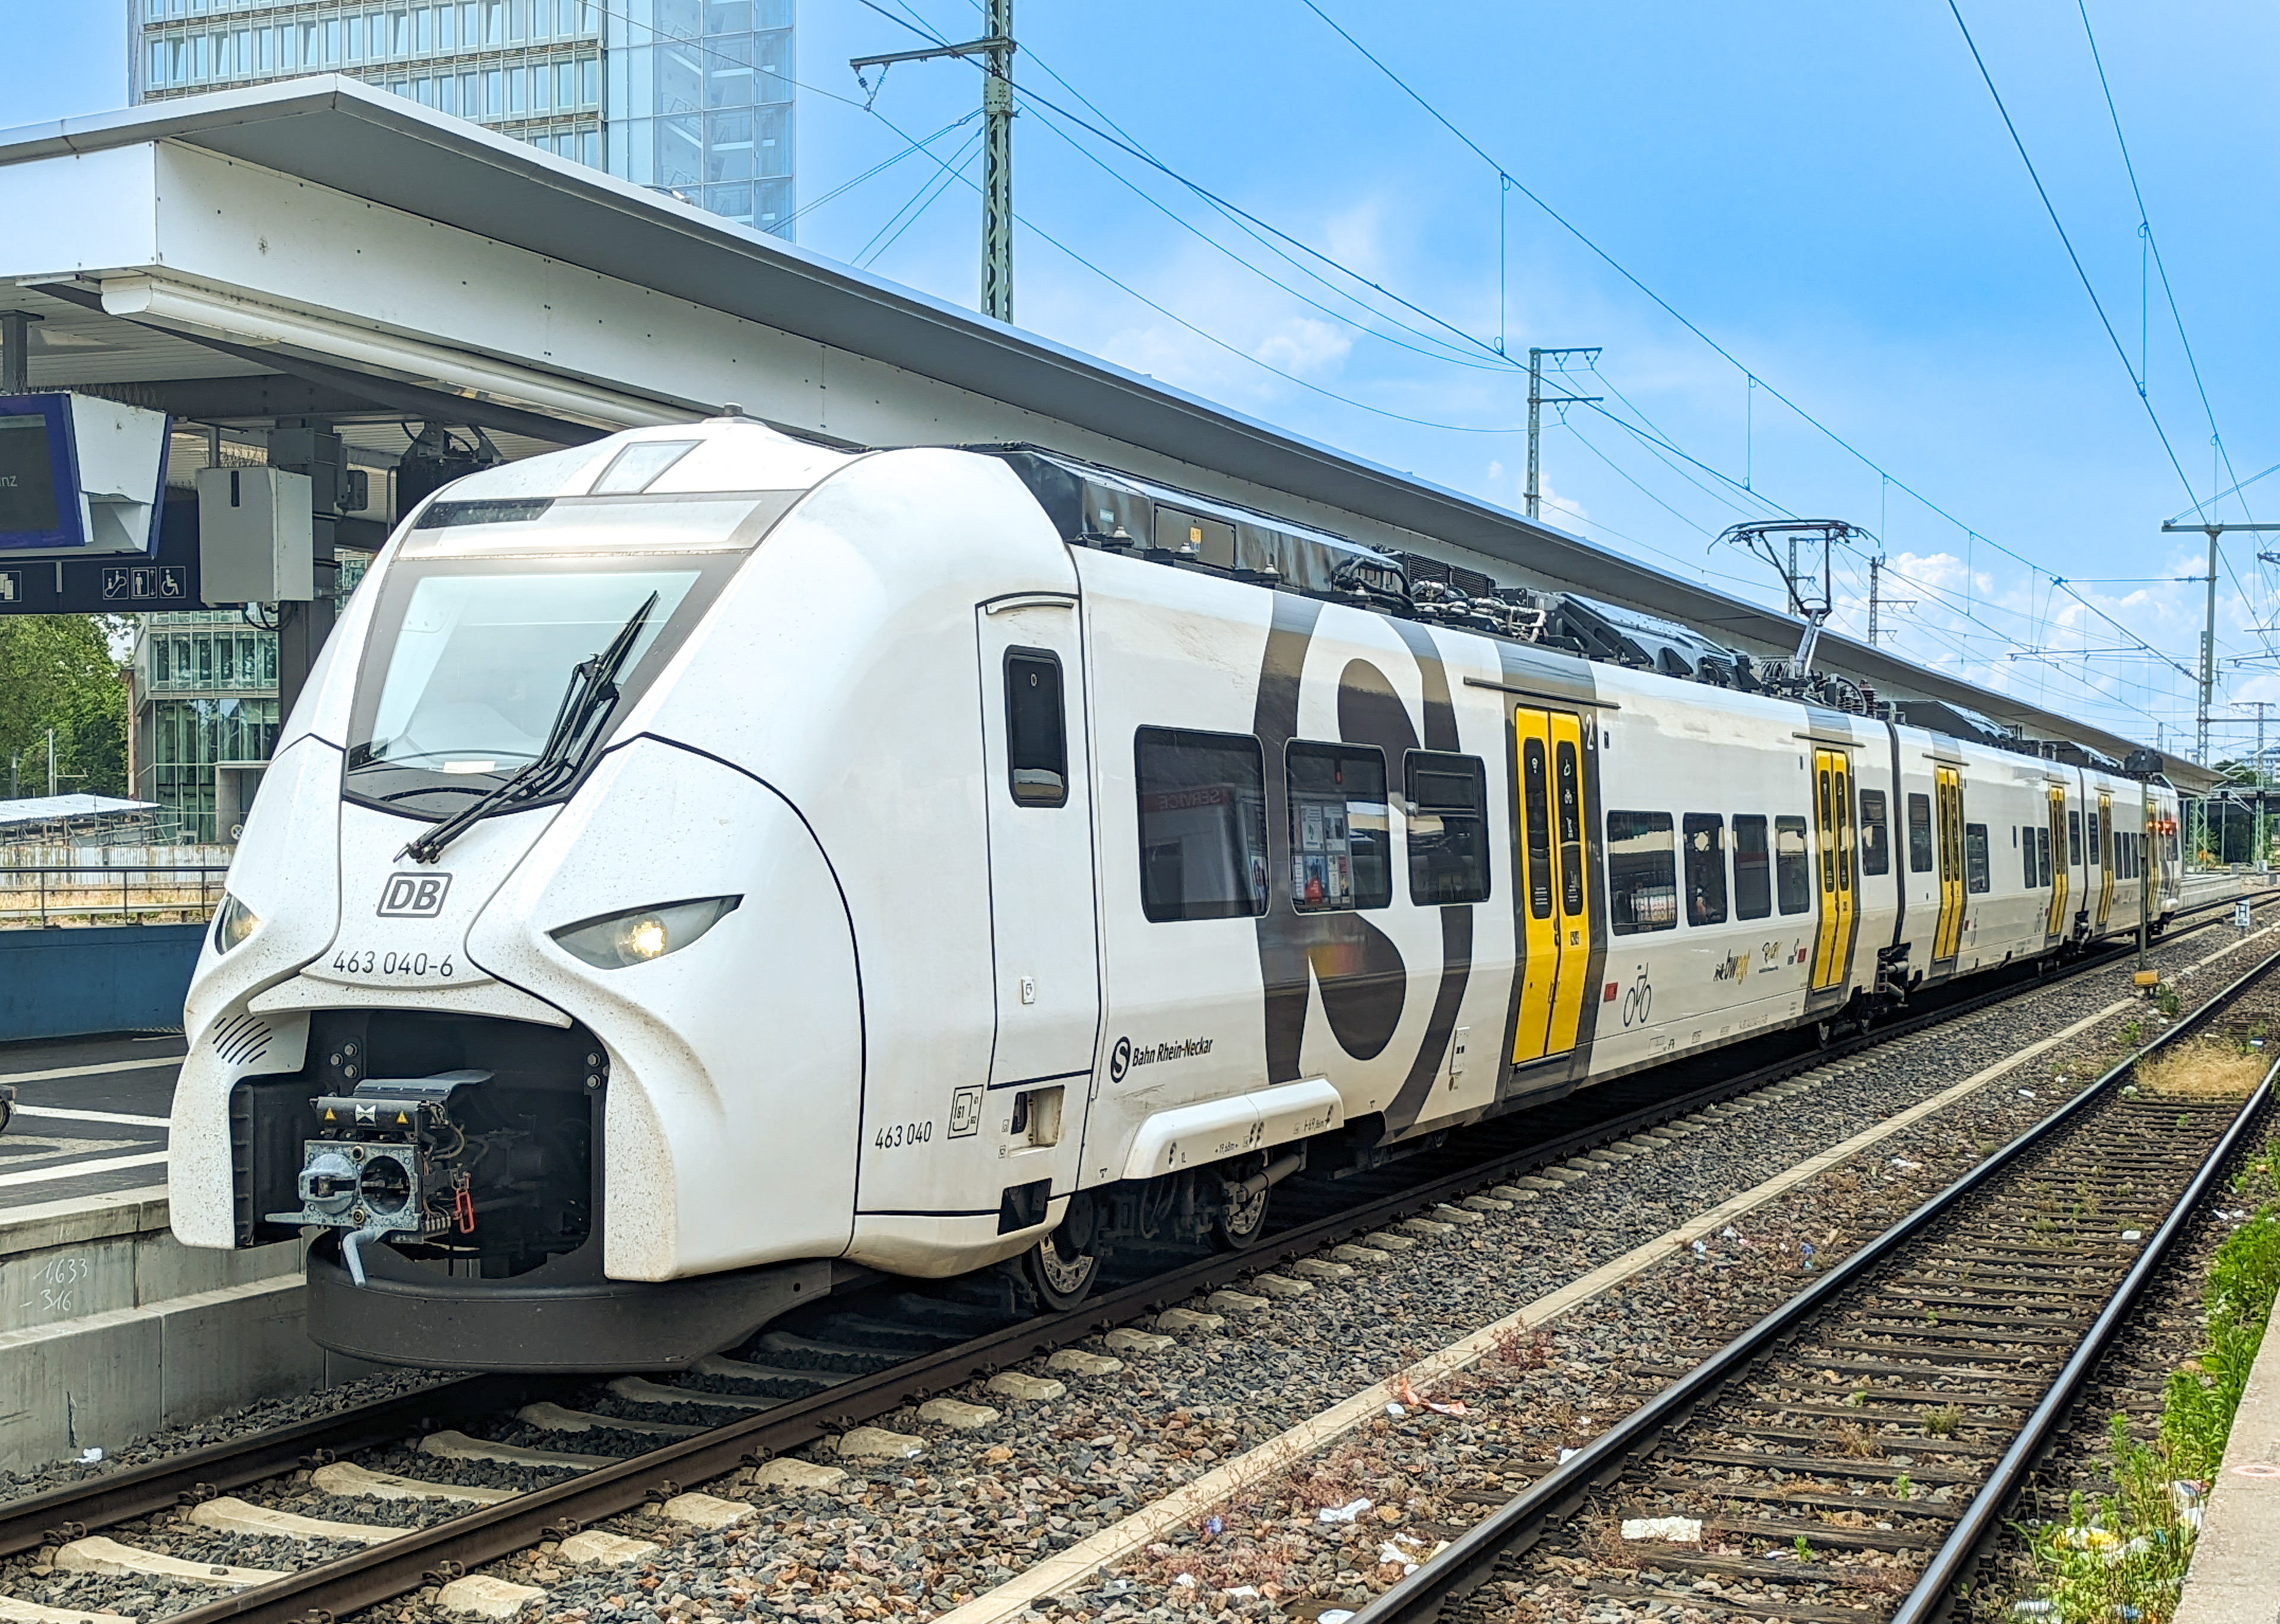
(586, 705)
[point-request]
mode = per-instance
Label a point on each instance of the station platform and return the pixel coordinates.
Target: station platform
(2235, 1577)
(91, 1118)
(110, 1329)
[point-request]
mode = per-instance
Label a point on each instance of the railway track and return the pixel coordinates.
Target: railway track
(446, 1500)
(1850, 1456)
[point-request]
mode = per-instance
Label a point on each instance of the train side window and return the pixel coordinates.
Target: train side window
(1536, 824)
(2024, 839)
(1642, 872)
(1920, 833)
(1036, 747)
(1976, 876)
(1753, 875)
(2042, 839)
(2074, 839)
(1876, 836)
(1339, 835)
(1792, 866)
(1203, 824)
(1447, 801)
(2095, 855)
(1704, 836)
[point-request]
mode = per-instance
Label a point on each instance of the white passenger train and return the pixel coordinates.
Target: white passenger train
(705, 869)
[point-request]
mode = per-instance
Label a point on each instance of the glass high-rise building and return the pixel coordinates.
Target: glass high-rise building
(692, 96)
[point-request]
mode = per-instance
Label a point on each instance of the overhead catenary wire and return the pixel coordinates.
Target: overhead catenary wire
(1657, 445)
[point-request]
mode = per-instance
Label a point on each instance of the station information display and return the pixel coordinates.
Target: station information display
(35, 466)
(80, 477)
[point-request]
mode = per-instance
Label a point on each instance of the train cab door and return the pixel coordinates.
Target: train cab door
(1947, 934)
(1036, 761)
(1832, 803)
(1555, 885)
(2101, 850)
(2060, 871)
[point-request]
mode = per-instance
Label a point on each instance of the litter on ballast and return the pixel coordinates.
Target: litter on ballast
(1244, 1589)
(1185, 1582)
(2026, 1094)
(1701, 1249)
(1407, 1394)
(1333, 1615)
(1804, 1251)
(1396, 1412)
(1392, 1551)
(1565, 1455)
(2033, 1609)
(1213, 1527)
(1347, 1512)
(1683, 1530)
(2133, 1234)
(90, 1457)
(1905, 1166)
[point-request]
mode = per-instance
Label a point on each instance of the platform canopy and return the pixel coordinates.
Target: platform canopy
(320, 250)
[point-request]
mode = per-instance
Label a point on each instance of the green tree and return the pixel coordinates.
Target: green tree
(58, 672)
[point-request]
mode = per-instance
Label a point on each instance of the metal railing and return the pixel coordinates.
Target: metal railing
(93, 893)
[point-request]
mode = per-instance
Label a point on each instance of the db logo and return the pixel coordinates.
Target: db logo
(413, 896)
(1119, 1059)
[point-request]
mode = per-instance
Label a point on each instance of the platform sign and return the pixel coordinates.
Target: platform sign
(166, 578)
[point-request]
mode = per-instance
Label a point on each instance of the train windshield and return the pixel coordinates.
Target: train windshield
(469, 662)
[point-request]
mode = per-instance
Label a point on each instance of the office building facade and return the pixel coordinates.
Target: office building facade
(692, 96)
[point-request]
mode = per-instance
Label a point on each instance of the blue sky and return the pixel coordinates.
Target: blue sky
(1828, 192)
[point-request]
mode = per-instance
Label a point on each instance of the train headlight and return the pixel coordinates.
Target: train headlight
(641, 935)
(233, 921)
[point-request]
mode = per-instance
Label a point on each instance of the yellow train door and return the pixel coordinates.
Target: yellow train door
(1832, 800)
(1948, 933)
(1575, 881)
(1555, 884)
(2102, 848)
(2062, 871)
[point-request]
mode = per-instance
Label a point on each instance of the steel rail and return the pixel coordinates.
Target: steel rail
(1473, 1556)
(1935, 1593)
(438, 1552)
(139, 1491)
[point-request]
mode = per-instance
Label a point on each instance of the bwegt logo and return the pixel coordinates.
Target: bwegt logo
(413, 896)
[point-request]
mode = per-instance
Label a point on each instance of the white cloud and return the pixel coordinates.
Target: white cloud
(1306, 346)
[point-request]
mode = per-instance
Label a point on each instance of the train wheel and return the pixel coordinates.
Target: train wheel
(1063, 1275)
(1242, 1215)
